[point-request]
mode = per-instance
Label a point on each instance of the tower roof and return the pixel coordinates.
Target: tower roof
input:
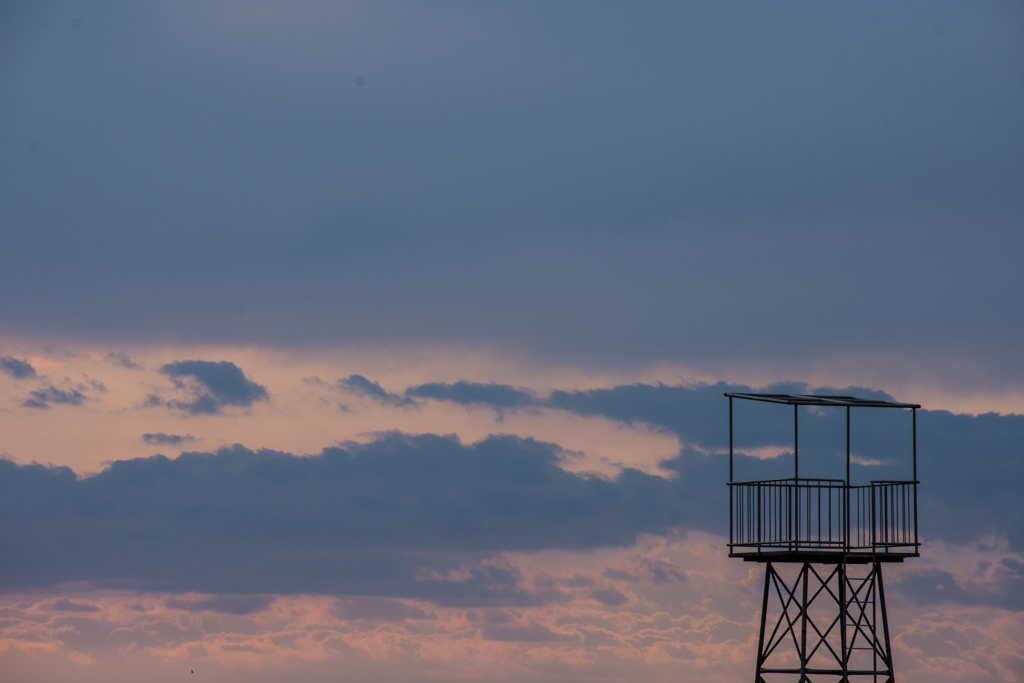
(822, 400)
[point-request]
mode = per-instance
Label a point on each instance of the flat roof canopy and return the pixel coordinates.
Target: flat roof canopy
(823, 400)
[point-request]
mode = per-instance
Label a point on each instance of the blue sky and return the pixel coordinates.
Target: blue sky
(412, 321)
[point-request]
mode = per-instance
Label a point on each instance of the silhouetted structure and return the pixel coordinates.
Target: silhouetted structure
(828, 618)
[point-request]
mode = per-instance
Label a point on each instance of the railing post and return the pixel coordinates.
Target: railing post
(731, 535)
(913, 417)
(843, 616)
(846, 516)
(731, 504)
(846, 486)
(873, 521)
(847, 445)
(886, 512)
(759, 523)
(808, 512)
(796, 443)
(790, 521)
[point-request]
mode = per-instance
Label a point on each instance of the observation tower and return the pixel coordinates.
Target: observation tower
(823, 543)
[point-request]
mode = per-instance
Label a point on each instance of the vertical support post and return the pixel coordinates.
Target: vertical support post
(874, 619)
(803, 623)
(796, 443)
(843, 617)
(731, 502)
(847, 445)
(874, 524)
(794, 502)
(764, 614)
(846, 489)
(880, 599)
(913, 417)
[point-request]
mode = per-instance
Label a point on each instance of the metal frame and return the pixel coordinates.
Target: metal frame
(828, 623)
(825, 624)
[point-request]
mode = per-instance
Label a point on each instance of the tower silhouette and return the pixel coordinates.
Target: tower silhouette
(823, 543)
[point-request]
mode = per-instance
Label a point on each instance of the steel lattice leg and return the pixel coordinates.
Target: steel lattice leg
(824, 626)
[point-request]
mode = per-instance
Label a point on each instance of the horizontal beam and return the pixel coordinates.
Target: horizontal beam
(835, 672)
(822, 400)
(817, 557)
(805, 483)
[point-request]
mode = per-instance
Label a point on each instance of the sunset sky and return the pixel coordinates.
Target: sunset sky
(388, 340)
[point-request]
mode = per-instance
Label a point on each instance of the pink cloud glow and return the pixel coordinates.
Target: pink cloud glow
(665, 609)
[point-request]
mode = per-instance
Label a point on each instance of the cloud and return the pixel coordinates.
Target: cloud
(932, 587)
(968, 464)
(168, 439)
(360, 386)
(215, 384)
(18, 369)
(121, 359)
(727, 146)
(469, 393)
(44, 397)
(704, 630)
(378, 609)
(65, 605)
(497, 396)
(527, 633)
(402, 516)
(575, 638)
(423, 516)
(227, 604)
(986, 584)
(609, 596)
(697, 414)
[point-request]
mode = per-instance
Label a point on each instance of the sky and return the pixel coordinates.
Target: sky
(391, 338)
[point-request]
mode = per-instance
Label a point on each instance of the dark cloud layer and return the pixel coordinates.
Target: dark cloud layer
(18, 369)
(969, 466)
(369, 520)
(365, 520)
(215, 384)
(398, 515)
(934, 586)
(227, 604)
(698, 414)
(360, 386)
(376, 609)
(469, 393)
(600, 181)
(65, 605)
(465, 393)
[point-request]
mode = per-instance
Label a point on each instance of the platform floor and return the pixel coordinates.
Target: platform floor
(821, 556)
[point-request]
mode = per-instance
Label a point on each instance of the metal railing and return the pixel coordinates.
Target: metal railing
(823, 515)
